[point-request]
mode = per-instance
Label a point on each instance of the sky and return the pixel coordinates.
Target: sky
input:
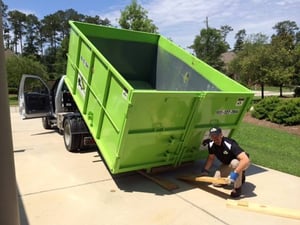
(180, 20)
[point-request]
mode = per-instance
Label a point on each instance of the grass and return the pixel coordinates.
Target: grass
(13, 99)
(273, 149)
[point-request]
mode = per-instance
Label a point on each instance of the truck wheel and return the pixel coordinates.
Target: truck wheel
(72, 141)
(46, 123)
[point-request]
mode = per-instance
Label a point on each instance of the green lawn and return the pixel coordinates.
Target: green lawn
(270, 148)
(13, 100)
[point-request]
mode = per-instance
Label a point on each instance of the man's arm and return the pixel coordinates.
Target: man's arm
(244, 162)
(209, 161)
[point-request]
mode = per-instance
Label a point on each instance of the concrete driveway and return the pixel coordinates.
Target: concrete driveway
(57, 187)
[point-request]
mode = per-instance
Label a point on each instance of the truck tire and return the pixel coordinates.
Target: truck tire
(46, 123)
(72, 141)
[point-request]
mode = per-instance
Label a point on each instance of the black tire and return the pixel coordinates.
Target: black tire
(46, 123)
(72, 141)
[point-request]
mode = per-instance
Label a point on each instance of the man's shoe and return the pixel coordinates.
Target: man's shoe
(219, 185)
(217, 175)
(236, 192)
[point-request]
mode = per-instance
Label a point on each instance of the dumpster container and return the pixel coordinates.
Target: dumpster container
(147, 102)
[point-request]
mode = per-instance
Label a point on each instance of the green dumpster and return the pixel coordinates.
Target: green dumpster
(147, 102)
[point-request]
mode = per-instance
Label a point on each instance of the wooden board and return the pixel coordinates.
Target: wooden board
(276, 211)
(221, 180)
(206, 186)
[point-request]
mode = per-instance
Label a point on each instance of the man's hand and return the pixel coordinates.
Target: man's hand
(233, 176)
(204, 172)
(205, 142)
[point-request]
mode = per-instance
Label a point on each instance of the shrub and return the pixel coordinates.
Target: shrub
(285, 111)
(278, 111)
(297, 91)
(264, 107)
(12, 90)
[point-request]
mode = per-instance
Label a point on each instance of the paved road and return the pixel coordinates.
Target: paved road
(62, 188)
(273, 93)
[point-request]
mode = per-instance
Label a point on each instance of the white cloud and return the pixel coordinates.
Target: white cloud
(26, 11)
(182, 20)
(172, 12)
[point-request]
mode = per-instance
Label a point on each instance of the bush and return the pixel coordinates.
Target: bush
(12, 91)
(297, 91)
(285, 113)
(264, 107)
(278, 111)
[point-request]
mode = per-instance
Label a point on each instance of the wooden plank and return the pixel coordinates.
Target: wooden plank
(266, 209)
(221, 180)
(162, 182)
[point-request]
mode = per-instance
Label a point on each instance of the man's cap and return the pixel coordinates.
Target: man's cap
(215, 130)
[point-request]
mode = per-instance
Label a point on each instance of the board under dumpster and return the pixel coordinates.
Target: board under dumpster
(146, 101)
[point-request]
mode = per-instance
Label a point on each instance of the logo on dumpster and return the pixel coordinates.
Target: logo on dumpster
(84, 62)
(240, 102)
(81, 84)
(227, 111)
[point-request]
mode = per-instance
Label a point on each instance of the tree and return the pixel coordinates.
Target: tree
(32, 25)
(45, 40)
(60, 64)
(209, 45)
(64, 16)
(58, 55)
(3, 9)
(282, 66)
(296, 59)
(225, 30)
(284, 44)
(17, 25)
(257, 39)
(52, 25)
(134, 17)
(41, 38)
(26, 65)
(240, 40)
(286, 28)
(286, 34)
(49, 60)
(252, 63)
(97, 20)
(297, 38)
(6, 33)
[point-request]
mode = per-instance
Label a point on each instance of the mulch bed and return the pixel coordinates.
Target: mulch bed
(290, 129)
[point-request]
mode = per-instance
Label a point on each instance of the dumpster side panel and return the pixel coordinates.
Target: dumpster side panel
(134, 60)
(155, 128)
(184, 76)
(98, 92)
(222, 109)
(225, 110)
(214, 79)
(73, 45)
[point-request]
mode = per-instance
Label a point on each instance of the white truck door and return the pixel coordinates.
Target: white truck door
(34, 97)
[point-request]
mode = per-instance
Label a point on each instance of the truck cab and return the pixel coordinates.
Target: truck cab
(56, 107)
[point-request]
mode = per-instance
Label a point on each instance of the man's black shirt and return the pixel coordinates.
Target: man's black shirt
(227, 151)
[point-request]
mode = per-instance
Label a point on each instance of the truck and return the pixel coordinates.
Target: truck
(141, 99)
(57, 109)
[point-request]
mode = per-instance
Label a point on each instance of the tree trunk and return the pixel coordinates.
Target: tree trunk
(262, 90)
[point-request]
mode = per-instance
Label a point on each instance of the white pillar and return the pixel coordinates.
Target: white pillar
(9, 209)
